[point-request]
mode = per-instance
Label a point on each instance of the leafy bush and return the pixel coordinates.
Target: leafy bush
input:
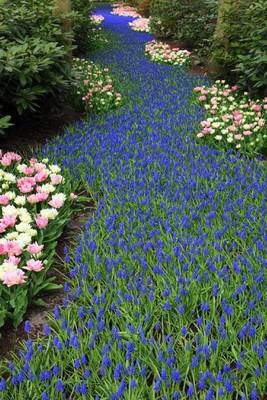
(191, 23)
(4, 123)
(36, 202)
(243, 51)
(83, 27)
(33, 54)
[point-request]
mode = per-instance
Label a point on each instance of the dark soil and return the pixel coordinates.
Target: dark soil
(34, 130)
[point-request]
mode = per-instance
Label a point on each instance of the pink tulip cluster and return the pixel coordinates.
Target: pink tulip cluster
(97, 19)
(140, 25)
(95, 85)
(162, 52)
(125, 11)
(29, 199)
(233, 118)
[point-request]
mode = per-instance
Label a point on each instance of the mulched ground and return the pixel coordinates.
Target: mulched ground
(37, 129)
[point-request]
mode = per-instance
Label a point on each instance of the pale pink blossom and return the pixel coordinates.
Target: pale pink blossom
(57, 201)
(41, 176)
(247, 133)
(4, 200)
(33, 161)
(15, 277)
(238, 137)
(256, 107)
(27, 170)
(56, 179)
(41, 196)
(12, 248)
(13, 260)
(2, 249)
(9, 220)
(39, 166)
(6, 161)
(32, 199)
(14, 156)
(35, 248)
(34, 265)
(41, 222)
(2, 227)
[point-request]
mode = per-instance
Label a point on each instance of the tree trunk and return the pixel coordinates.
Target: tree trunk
(220, 36)
(62, 9)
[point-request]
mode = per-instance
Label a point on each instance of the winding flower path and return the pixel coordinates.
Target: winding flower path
(168, 284)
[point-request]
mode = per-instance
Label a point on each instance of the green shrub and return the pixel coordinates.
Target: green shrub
(4, 123)
(83, 28)
(190, 23)
(243, 52)
(33, 54)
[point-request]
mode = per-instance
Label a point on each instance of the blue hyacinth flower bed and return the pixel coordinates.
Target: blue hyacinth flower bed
(166, 298)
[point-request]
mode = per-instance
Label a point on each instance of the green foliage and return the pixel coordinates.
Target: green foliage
(33, 54)
(83, 28)
(4, 123)
(191, 23)
(243, 50)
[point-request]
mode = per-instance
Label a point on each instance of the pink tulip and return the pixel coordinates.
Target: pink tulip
(234, 88)
(33, 161)
(41, 222)
(232, 128)
(256, 107)
(247, 133)
(56, 179)
(6, 161)
(26, 189)
(12, 248)
(4, 200)
(14, 260)
(205, 124)
(56, 202)
(238, 137)
(16, 277)
(9, 220)
(14, 156)
(2, 227)
(41, 196)
(35, 248)
(41, 176)
(32, 199)
(2, 249)
(34, 265)
(26, 180)
(27, 170)
(39, 166)
(202, 98)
